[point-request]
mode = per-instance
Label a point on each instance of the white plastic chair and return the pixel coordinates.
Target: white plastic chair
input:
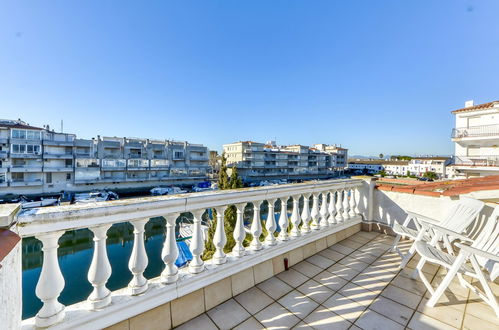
(457, 220)
(479, 260)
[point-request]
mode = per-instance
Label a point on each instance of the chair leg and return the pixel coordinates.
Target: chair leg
(395, 243)
(407, 257)
(447, 279)
(492, 301)
(419, 270)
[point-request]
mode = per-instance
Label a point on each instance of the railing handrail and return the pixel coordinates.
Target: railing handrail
(479, 130)
(70, 217)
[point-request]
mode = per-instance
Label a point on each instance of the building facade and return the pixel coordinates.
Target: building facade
(476, 140)
(36, 160)
(257, 161)
(417, 166)
(420, 165)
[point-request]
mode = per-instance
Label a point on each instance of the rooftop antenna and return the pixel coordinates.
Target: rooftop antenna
(62, 126)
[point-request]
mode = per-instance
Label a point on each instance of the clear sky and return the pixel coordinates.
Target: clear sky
(374, 76)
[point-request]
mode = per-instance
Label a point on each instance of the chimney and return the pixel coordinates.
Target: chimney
(468, 104)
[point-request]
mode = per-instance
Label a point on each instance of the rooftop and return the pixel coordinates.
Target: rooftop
(482, 106)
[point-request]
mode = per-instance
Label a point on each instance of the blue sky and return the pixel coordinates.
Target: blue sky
(374, 76)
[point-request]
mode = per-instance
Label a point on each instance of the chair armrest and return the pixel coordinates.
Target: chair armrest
(420, 217)
(478, 252)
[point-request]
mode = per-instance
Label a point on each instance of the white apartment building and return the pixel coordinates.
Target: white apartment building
(417, 166)
(256, 161)
(35, 161)
(420, 165)
(476, 138)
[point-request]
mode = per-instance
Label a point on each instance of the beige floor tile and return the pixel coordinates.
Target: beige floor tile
(249, 324)
(401, 296)
(292, 277)
(363, 256)
(253, 300)
(472, 322)
(452, 315)
(359, 238)
(455, 288)
(346, 308)
(274, 287)
(423, 322)
(332, 281)
(370, 320)
(391, 309)
(276, 317)
(302, 326)
(354, 263)
(368, 234)
(343, 271)
(316, 291)
(375, 250)
(481, 310)
(373, 282)
(332, 254)
(307, 269)
(338, 247)
(298, 303)
(228, 315)
(320, 261)
(200, 322)
(322, 318)
(351, 243)
(414, 286)
(359, 294)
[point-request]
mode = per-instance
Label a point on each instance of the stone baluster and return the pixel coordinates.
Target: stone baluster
(256, 227)
(305, 214)
(100, 270)
(239, 232)
(169, 253)
(346, 205)
(339, 206)
(323, 211)
(196, 265)
(138, 259)
(315, 211)
(353, 203)
(295, 217)
(51, 282)
(270, 224)
(357, 201)
(219, 238)
(283, 220)
(332, 207)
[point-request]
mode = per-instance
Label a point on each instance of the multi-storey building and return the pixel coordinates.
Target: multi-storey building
(420, 165)
(476, 139)
(416, 166)
(257, 161)
(36, 160)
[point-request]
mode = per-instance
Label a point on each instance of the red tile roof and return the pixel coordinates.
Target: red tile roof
(8, 240)
(482, 106)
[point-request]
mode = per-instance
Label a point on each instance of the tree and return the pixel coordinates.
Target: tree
(382, 173)
(430, 175)
(230, 216)
(381, 156)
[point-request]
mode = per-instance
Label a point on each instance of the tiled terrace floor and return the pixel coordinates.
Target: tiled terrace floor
(354, 284)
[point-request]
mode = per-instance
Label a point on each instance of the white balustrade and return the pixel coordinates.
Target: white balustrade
(239, 232)
(256, 227)
(270, 224)
(332, 207)
(295, 217)
(169, 253)
(315, 212)
(100, 270)
(353, 203)
(339, 206)
(219, 238)
(51, 282)
(196, 265)
(346, 205)
(305, 214)
(323, 211)
(138, 259)
(283, 220)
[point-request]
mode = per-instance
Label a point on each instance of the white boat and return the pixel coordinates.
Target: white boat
(160, 191)
(185, 231)
(96, 196)
(26, 204)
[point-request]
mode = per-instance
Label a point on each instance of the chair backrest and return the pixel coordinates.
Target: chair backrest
(488, 241)
(462, 214)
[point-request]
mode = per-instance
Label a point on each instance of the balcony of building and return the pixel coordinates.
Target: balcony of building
(4, 140)
(58, 168)
(479, 161)
(478, 135)
(25, 182)
(305, 256)
(59, 140)
(15, 155)
(4, 154)
(26, 168)
(58, 155)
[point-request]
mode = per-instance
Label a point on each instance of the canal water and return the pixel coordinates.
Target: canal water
(75, 255)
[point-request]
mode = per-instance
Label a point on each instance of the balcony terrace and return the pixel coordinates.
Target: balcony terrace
(311, 255)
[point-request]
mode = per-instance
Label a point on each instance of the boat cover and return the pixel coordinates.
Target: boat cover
(184, 254)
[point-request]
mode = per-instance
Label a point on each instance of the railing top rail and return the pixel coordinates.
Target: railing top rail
(69, 217)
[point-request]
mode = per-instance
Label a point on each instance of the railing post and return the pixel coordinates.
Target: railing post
(370, 200)
(346, 205)
(169, 253)
(353, 202)
(100, 270)
(295, 216)
(323, 211)
(239, 232)
(256, 227)
(332, 207)
(197, 244)
(270, 224)
(283, 219)
(219, 238)
(315, 211)
(51, 282)
(339, 207)
(138, 259)
(305, 214)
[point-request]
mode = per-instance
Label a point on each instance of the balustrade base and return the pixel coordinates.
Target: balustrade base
(43, 322)
(196, 269)
(256, 247)
(136, 290)
(238, 253)
(219, 260)
(169, 279)
(101, 303)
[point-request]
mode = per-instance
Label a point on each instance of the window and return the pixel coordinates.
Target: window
(17, 177)
(178, 154)
(25, 135)
(68, 176)
(48, 178)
